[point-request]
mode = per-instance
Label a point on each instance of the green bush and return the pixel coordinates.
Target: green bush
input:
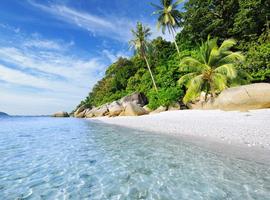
(258, 61)
(164, 97)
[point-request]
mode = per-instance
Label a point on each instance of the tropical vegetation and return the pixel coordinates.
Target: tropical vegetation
(212, 72)
(140, 44)
(218, 44)
(169, 17)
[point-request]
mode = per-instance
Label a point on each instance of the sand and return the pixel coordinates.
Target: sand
(209, 127)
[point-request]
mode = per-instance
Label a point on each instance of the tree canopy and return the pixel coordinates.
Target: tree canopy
(244, 21)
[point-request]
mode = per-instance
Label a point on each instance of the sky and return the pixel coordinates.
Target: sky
(53, 52)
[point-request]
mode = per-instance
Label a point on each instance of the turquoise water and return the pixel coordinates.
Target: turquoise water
(48, 158)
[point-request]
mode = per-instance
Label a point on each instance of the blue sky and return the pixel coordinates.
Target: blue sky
(53, 52)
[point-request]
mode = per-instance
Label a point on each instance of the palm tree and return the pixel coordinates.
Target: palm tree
(140, 44)
(212, 72)
(169, 17)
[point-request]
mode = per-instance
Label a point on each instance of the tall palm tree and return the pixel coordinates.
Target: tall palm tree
(169, 17)
(212, 72)
(140, 44)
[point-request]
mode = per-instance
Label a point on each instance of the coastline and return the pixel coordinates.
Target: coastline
(244, 135)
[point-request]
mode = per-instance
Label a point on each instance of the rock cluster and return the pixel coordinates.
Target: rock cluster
(60, 114)
(131, 105)
(242, 98)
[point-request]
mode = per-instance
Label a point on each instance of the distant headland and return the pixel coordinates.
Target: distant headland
(2, 114)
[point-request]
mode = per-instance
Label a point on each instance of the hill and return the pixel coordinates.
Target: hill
(2, 114)
(157, 63)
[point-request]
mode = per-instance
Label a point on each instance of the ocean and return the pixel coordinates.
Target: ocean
(68, 158)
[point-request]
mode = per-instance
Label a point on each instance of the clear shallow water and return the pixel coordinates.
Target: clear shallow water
(48, 158)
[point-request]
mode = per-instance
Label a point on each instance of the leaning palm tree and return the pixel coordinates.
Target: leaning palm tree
(212, 71)
(169, 17)
(140, 44)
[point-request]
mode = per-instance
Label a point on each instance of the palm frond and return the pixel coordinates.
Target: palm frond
(186, 78)
(178, 2)
(209, 46)
(140, 38)
(166, 3)
(227, 44)
(216, 67)
(219, 82)
(214, 56)
(169, 16)
(156, 6)
(158, 12)
(231, 57)
(194, 89)
(227, 70)
(192, 65)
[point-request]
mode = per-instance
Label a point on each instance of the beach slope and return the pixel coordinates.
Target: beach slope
(250, 130)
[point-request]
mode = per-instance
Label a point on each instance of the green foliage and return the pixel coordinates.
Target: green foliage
(120, 71)
(202, 18)
(250, 20)
(140, 82)
(169, 17)
(211, 67)
(164, 97)
(140, 39)
(258, 59)
(212, 71)
(140, 44)
(161, 51)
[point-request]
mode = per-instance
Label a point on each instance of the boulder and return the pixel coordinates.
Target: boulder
(80, 115)
(246, 97)
(115, 108)
(60, 114)
(203, 103)
(147, 108)
(79, 112)
(133, 109)
(89, 113)
(101, 111)
(159, 110)
(137, 98)
(210, 104)
(175, 106)
(195, 105)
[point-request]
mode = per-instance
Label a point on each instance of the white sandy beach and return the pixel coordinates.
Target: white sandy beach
(243, 129)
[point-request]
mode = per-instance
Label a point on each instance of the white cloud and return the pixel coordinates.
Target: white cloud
(60, 78)
(60, 75)
(113, 28)
(46, 44)
(109, 26)
(112, 56)
(35, 40)
(52, 63)
(10, 28)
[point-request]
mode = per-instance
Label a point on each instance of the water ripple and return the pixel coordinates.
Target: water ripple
(46, 158)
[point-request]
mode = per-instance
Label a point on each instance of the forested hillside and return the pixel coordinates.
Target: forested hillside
(246, 21)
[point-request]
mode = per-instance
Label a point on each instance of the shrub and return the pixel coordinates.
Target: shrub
(164, 97)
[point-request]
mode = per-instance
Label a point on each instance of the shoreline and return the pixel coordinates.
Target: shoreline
(244, 135)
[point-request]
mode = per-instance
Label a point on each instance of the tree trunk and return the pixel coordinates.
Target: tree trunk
(174, 41)
(148, 66)
(213, 91)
